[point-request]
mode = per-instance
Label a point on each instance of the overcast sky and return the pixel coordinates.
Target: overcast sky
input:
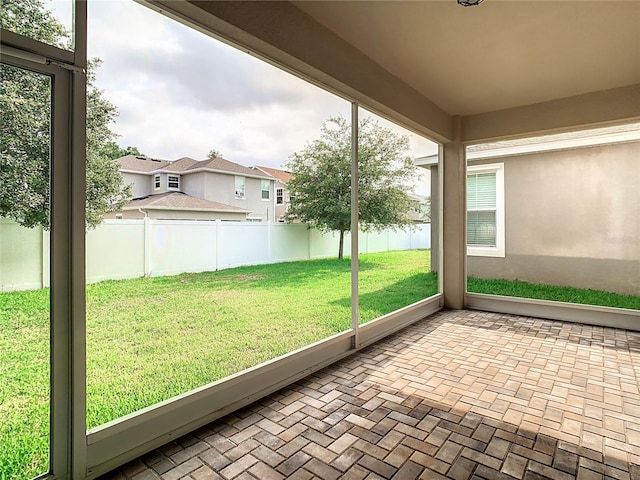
(181, 93)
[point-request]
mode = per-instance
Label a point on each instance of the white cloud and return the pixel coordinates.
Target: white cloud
(182, 93)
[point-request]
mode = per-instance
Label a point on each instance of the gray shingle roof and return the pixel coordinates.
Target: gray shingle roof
(187, 165)
(281, 175)
(226, 166)
(180, 201)
(141, 164)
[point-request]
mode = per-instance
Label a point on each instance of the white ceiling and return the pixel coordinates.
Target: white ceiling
(497, 55)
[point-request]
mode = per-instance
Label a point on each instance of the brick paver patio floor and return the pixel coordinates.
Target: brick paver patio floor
(459, 395)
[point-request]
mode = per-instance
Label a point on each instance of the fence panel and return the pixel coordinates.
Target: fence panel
(243, 244)
(21, 257)
(179, 246)
(116, 250)
(289, 242)
(119, 249)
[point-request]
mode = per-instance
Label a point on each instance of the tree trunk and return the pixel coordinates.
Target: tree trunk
(340, 248)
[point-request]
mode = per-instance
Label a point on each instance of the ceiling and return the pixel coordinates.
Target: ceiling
(496, 55)
(499, 70)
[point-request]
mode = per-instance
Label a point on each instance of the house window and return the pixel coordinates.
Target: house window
(156, 182)
(265, 189)
(485, 210)
(173, 182)
(279, 196)
(239, 187)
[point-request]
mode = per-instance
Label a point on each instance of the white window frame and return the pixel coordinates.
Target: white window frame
(240, 194)
(280, 196)
(170, 181)
(499, 250)
(268, 190)
(156, 182)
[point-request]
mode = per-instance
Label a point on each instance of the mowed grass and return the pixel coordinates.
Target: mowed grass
(149, 339)
(516, 288)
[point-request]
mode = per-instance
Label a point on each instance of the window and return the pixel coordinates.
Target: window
(279, 196)
(239, 187)
(265, 189)
(173, 182)
(156, 182)
(485, 210)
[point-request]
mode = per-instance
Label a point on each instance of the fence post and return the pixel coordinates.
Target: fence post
(270, 252)
(147, 246)
(216, 252)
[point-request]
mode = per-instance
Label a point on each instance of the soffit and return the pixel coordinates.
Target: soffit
(495, 56)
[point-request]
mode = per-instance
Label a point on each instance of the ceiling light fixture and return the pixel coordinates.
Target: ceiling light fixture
(469, 3)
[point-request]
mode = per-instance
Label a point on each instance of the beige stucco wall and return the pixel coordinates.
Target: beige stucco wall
(141, 184)
(219, 187)
(572, 217)
(280, 210)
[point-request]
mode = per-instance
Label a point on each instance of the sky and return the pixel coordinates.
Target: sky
(181, 93)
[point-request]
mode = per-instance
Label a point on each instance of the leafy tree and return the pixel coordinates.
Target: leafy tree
(321, 185)
(25, 102)
(113, 151)
(213, 153)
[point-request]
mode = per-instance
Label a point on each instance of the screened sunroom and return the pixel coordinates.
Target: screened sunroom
(478, 84)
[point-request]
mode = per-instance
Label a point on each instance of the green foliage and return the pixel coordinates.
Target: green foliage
(112, 151)
(25, 100)
(321, 185)
(213, 153)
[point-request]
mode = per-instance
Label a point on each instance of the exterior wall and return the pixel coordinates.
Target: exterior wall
(280, 210)
(219, 187)
(572, 218)
(142, 185)
(216, 187)
(259, 208)
(194, 185)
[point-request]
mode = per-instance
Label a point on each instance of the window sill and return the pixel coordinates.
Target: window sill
(485, 252)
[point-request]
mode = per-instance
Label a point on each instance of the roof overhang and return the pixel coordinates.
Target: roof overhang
(183, 209)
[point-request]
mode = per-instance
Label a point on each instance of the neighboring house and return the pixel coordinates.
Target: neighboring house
(282, 198)
(561, 209)
(213, 189)
(422, 211)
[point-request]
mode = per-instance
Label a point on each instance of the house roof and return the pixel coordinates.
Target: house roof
(180, 201)
(282, 175)
(186, 165)
(220, 164)
(134, 163)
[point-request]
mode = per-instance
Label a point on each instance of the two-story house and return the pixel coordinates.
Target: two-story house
(282, 198)
(212, 189)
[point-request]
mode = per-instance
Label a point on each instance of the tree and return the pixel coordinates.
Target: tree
(321, 185)
(213, 153)
(25, 100)
(113, 151)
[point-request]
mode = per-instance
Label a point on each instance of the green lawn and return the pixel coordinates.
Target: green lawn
(149, 339)
(515, 288)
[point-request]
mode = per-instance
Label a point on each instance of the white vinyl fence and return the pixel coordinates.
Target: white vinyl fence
(120, 249)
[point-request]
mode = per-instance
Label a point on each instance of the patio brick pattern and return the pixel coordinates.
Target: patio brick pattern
(460, 395)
